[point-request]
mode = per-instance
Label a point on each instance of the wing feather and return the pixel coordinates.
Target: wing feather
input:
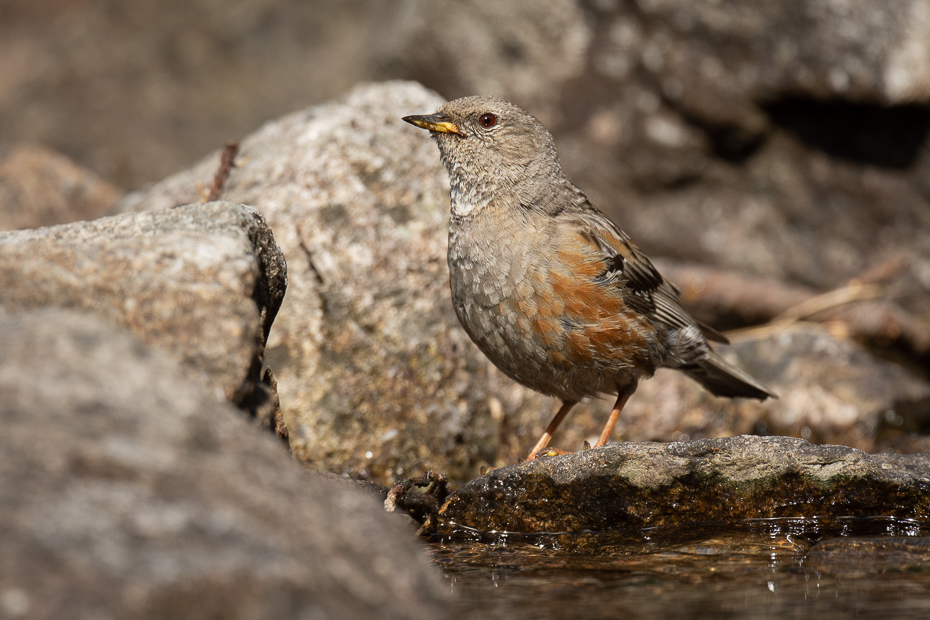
(645, 290)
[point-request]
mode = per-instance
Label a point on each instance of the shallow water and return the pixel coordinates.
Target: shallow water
(762, 568)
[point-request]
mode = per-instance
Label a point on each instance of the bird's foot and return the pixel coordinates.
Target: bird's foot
(547, 452)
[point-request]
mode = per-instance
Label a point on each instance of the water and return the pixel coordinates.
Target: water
(761, 568)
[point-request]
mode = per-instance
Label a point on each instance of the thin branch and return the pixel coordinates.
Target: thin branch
(863, 308)
(222, 173)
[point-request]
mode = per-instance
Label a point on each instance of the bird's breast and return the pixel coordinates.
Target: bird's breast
(540, 318)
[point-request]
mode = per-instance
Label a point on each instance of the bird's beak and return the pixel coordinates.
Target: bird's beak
(434, 122)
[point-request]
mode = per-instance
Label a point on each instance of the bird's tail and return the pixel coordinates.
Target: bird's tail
(722, 378)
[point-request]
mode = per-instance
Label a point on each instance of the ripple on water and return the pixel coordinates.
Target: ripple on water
(757, 568)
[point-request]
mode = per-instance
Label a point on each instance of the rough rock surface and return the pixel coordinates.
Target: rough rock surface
(202, 281)
(39, 187)
(786, 139)
(130, 491)
(635, 485)
(376, 377)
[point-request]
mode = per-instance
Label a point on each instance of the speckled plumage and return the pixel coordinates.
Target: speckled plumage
(545, 284)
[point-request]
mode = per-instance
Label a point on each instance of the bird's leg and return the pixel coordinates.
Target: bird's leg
(550, 431)
(622, 396)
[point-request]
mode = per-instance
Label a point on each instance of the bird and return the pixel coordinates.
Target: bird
(554, 293)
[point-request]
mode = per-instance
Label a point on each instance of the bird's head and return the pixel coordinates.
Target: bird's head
(490, 142)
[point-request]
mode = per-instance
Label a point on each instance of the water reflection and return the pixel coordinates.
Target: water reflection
(760, 568)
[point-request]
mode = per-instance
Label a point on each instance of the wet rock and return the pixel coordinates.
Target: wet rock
(375, 375)
(39, 187)
(130, 491)
(202, 281)
(634, 485)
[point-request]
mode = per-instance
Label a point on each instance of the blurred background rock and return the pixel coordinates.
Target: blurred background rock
(765, 152)
(691, 122)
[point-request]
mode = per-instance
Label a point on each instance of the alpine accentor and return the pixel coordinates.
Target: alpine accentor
(553, 292)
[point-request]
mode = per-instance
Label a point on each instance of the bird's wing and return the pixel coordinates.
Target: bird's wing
(625, 266)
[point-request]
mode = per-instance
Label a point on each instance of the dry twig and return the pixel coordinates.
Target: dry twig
(222, 173)
(861, 308)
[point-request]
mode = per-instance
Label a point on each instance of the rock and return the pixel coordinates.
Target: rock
(699, 53)
(697, 124)
(635, 485)
(376, 377)
(694, 123)
(508, 49)
(39, 187)
(130, 491)
(202, 281)
(831, 390)
(104, 86)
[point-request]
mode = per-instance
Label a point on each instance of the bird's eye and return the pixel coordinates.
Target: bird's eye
(487, 120)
